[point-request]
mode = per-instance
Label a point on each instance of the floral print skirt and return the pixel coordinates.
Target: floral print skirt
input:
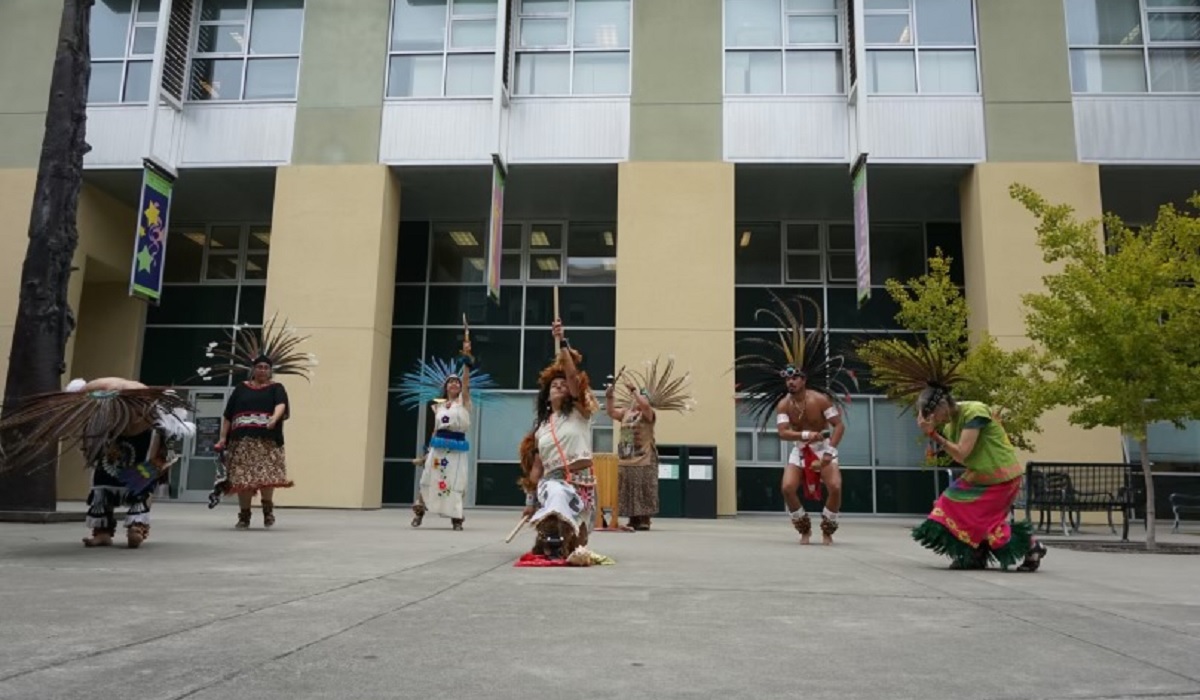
(255, 463)
(444, 481)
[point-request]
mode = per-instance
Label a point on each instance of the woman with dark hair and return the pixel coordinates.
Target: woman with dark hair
(556, 456)
(444, 477)
(970, 520)
(252, 426)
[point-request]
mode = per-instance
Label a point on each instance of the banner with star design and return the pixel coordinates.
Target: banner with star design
(150, 244)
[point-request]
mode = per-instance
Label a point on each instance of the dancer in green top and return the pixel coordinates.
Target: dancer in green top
(970, 521)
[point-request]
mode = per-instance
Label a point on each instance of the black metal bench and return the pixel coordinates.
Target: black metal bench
(1071, 488)
(1183, 503)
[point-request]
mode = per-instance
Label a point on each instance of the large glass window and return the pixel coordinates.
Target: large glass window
(921, 46)
(123, 34)
(1134, 46)
(247, 50)
(791, 47)
(442, 280)
(214, 278)
(442, 48)
(572, 47)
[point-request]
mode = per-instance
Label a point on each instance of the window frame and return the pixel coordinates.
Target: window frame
(915, 49)
(245, 57)
(245, 228)
(131, 27)
(1146, 45)
(445, 52)
(840, 48)
(569, 48)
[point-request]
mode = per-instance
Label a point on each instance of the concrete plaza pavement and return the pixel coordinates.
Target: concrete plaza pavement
(349, 604)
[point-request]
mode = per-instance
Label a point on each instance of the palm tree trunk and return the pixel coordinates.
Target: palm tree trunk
(44, 319)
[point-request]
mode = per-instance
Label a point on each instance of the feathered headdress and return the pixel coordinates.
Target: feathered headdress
(276, 344)
(427, 381)
(664, 392)
(906, 370)
(794, 352)
(88, 419)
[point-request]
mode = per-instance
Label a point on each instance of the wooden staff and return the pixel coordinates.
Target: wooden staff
(466, 329)
(557, 341)
(515, 530)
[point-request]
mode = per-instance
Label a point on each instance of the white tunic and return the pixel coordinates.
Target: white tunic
(563, 440)
(444, 479)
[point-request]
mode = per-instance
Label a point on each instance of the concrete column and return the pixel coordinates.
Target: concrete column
(332, 274)
(675, 295)
(1003, 262)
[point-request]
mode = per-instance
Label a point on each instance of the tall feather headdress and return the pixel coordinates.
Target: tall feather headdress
(426, 381)
(276, 341)
(86, 419)
(794, 350)
(905, 369)
(663, 391)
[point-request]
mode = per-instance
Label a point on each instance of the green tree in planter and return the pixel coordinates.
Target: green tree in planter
(1013, 382)
(1120, 320)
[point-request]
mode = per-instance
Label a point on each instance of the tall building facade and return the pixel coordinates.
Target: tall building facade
(669, 163)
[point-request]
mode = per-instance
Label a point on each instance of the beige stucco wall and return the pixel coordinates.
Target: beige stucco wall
(1003, 262)
(675, 275)
(333, 263)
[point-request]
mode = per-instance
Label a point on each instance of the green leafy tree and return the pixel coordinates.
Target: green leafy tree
(1013, 382)
(1120, 320)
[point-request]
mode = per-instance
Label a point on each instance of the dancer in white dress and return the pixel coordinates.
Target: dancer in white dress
(444, 477)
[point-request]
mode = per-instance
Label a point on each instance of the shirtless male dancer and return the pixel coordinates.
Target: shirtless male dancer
(805, 417)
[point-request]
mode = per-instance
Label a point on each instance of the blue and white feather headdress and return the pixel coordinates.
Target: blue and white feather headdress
(426, 382)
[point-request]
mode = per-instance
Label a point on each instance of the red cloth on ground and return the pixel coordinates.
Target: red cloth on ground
(530, 559)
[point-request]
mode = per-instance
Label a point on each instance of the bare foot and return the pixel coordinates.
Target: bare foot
(806, 538)
(826, 539)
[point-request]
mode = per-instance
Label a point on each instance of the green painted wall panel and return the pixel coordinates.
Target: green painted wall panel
(1026, 80)
(675, 132)
(333, 135)
(1030, 131)
(28, 36)
(342, 68)
(677, 86)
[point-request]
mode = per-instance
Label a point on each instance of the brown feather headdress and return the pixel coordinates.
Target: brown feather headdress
(907, 370)
(277, 344)
(794, 351)
(85, 419)
(663, 391)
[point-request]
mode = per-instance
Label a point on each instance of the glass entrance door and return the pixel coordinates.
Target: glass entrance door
(192, 479)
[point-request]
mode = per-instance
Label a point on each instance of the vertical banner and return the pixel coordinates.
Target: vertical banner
(150, 243)
(862, 228)
(496, 229)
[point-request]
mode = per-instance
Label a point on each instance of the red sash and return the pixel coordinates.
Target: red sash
(812, 475)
